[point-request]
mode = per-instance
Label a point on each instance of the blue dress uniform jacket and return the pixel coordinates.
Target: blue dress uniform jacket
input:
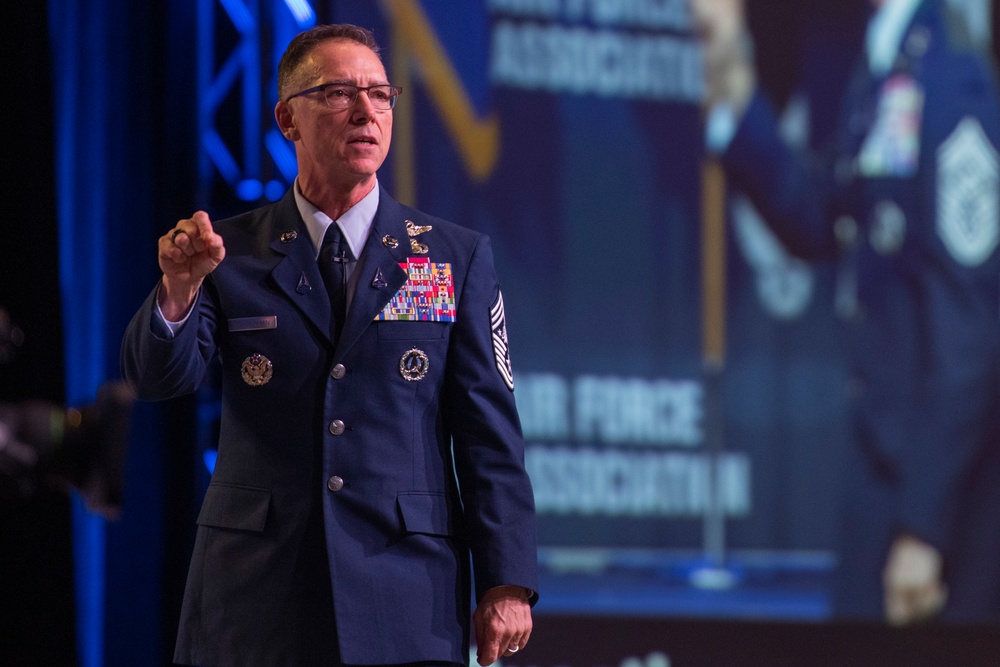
(908, 197)
(393, 482)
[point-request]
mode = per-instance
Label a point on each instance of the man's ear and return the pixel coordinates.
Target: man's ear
(286, 122)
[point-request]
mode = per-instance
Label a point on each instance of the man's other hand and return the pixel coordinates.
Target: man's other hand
(912, 581)
(728, 52)
(502, 623)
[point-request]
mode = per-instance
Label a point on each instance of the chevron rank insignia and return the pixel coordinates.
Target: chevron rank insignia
(501, 353)
(968, 194)
(428, 295)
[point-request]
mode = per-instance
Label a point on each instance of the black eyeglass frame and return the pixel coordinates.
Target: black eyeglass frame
(394, 92)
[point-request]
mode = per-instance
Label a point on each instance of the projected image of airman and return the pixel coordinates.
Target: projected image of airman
(908, 199)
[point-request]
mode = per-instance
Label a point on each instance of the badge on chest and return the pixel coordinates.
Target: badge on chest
(892, 146)
(427, 296)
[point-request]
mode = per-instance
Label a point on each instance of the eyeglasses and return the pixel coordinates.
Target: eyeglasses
(343, 95)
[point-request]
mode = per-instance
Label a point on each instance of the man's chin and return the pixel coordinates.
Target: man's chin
(364, 165)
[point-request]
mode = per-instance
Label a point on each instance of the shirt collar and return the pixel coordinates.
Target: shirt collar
(355, 223)
(885, 33)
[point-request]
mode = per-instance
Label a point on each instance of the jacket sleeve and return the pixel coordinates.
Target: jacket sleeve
(158, 366)
(959, 293)
(479, 407)
(794, 191)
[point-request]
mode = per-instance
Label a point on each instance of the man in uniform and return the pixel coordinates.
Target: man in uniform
(908, 197)
(369, 440)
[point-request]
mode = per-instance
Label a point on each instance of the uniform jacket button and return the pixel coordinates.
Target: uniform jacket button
(336, 427)
(338, 372)
(335, 483)
(845, 228)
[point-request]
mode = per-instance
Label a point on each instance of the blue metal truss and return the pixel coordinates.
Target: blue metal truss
(237, 89)
(239, 45)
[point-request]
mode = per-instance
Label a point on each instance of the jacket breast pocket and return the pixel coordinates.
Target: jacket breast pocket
(412, 330)
(236, 507)
(426, 513)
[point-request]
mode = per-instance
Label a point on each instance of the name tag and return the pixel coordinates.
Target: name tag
(253, 323)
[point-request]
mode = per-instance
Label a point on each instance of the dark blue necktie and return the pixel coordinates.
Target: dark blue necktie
(333, 257)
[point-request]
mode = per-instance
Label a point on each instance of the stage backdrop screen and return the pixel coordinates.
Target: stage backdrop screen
(571, 132)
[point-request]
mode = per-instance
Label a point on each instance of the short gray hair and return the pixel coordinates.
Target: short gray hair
(304, 42)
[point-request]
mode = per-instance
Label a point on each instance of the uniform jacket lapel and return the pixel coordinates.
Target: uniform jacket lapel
(297, 273)
(379, 259)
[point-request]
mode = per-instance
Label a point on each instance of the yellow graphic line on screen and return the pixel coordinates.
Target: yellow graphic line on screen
(477, 140)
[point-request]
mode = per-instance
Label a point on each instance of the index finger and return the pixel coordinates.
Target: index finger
(200, 216)
(204, 235)
(202, 223)
(488, 646)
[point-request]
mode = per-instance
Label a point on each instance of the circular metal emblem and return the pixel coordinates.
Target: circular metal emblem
(413, 365)
(390, 242)
(256, 370)
(290, 236)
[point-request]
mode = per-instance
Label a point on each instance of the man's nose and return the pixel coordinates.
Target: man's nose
(363, 111)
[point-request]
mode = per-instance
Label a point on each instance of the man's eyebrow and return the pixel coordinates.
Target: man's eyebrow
(353, 82)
